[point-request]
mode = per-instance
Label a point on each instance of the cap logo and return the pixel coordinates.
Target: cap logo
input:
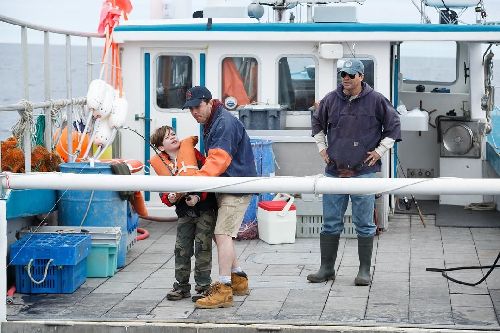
(348, 64)
(189, 95)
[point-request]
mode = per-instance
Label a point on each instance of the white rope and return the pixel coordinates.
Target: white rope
(44, 273)
(88, 208)
(26, 121)
(316, 178)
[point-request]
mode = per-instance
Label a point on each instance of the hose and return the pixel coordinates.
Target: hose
(159, 219)
(10, 294)
(443, 270)
(143, 234)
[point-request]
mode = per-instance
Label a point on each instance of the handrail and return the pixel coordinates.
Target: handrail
(60, 103)
(316, 184)
(70, 101)
(49, 29)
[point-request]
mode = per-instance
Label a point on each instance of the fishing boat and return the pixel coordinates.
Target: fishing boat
(438, 191)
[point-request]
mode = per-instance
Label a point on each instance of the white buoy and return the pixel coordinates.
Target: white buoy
(96, 94)
(107, 104)
(119, 111)
(102, 132)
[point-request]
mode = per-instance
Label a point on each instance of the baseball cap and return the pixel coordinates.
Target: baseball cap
(353, 66)
(195, 95)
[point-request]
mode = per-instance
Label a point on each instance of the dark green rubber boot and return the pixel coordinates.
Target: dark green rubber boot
(365, 248)
(329, 245)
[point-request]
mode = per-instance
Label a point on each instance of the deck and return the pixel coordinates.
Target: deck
(402, 293)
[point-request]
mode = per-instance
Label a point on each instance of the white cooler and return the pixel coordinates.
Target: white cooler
(277, 220)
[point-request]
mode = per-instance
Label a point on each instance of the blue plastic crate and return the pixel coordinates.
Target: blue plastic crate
(57, 263)
(57, 280)
(63, 249)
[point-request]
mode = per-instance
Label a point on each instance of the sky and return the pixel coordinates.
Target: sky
(83, 15)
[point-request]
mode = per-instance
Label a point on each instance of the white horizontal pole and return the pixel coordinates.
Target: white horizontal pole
(316, 184)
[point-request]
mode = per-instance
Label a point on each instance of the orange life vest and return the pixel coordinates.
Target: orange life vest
(186, 164)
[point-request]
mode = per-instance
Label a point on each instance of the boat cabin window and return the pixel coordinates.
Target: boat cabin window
(429, 61)
(174, 78)
(296, 82)
(239, 81)
(369, 70)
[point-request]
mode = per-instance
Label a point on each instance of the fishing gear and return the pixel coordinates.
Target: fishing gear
(412, 197)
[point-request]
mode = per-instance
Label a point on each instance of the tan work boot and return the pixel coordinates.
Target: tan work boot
(239, 283)
(219, 296)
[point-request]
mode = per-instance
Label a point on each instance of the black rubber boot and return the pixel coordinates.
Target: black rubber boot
(329, 245)
(365, 248)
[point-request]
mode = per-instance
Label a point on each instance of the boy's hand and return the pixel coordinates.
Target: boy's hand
(192, 200)
(172, 197)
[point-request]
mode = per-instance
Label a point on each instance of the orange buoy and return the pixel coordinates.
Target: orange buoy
(62, 144)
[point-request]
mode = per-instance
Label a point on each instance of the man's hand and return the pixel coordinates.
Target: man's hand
(372, 158)
(172, 197)
(324, 155)
(192, 200)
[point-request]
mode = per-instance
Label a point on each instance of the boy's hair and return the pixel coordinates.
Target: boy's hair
(158, 135)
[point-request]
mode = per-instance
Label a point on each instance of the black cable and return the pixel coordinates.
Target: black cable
(443, 270)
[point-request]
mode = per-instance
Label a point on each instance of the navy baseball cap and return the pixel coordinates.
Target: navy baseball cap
(195, 95)
(353, 66)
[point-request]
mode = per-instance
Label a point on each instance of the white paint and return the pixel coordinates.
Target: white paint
(476, 83)
(315, 36)
(451, 3)
(331, 51)
(466, 168)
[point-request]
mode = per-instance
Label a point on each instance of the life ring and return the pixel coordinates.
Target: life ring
(133, 165)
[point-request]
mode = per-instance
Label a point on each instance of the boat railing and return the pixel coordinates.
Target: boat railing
(25, 108)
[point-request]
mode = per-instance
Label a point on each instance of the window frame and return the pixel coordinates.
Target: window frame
(443, 83)
(155, 77)
(297, 55)
(240, 55)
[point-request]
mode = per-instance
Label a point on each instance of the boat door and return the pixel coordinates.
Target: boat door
(168, 74)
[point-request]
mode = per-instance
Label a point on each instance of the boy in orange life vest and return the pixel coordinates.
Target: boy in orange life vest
(196, 212)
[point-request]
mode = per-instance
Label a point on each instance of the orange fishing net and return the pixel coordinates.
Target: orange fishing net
(41, 159)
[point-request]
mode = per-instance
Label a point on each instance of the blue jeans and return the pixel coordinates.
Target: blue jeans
(335, 205)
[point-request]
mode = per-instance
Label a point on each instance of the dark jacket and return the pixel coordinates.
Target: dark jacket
(207, 200)
(355, 127)
(227, 146)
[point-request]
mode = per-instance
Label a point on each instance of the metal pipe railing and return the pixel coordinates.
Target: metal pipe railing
(60, 103)
(21, 108)
(46, 75)
(48, 29)
(69, 110)
(27, 129)
(318, 184)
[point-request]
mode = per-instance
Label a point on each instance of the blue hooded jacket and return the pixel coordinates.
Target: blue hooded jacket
(355, 127)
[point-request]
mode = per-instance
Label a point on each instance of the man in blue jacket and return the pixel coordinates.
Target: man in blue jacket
(229, 154)
(353, 127)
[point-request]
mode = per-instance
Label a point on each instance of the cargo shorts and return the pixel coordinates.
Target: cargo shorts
(232, 208)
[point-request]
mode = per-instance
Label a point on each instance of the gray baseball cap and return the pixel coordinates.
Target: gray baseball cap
(353, 66)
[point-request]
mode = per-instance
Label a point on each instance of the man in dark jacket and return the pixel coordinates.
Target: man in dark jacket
(229, 154)
(353, 127)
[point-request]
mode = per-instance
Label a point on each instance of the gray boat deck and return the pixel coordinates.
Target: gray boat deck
(402, 293)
